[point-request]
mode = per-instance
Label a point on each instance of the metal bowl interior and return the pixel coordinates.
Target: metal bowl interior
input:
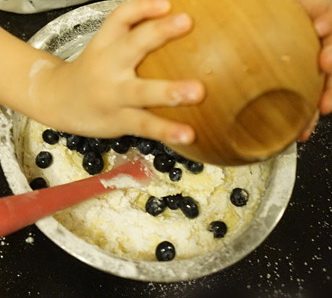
(66, 37)
(33, 6)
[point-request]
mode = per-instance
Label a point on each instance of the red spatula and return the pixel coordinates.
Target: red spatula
(19, 211)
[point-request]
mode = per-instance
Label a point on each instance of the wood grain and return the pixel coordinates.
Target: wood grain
(259, 63)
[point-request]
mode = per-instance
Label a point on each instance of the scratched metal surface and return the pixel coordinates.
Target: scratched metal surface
(33, 6)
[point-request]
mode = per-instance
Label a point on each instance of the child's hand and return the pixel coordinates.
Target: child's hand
(320, 12)
(99, 93)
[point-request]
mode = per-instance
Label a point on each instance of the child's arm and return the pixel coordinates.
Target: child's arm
(320, 12)
(19, 66)
(99, 94)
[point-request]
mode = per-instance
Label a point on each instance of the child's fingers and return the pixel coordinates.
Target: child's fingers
(323, 24)
(153, 34)
(156, 93)
(326, 104)
(308, 131)
(145, 124)
(129, 14)
(316, 8)
(326, 55)
(326, 101)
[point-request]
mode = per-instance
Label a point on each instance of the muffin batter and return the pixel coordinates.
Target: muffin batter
(119, 223)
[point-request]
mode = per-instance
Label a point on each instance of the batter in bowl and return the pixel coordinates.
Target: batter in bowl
(187, 210)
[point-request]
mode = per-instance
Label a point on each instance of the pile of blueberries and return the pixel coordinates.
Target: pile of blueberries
(165, 250)
(187, 205)
(164, 161)
(92, 149)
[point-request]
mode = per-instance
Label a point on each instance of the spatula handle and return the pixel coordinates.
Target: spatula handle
(21, 210)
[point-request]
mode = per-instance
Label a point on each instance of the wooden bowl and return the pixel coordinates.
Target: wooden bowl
(259, 63)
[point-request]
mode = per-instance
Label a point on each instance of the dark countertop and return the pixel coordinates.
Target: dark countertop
(295, 260)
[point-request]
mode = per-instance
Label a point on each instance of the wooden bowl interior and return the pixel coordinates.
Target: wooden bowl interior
(281, 115)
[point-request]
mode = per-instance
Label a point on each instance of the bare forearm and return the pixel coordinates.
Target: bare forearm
(23, 69)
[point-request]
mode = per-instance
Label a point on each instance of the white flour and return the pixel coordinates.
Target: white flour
(118, 222)
(36, 69)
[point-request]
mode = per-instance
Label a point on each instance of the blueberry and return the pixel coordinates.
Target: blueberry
(83, 146)
(99, 145)
(38, 183)
(163, 163)
(239, 197)
(73, 142)
(169, 151)
(44, 159)
(189, 207)
(120, 145)
(145, 146)
(218, 228)
(165, 251)
(158, 149)
(173, 201)
(130, 140)
(175, 174)
(94, 144)
(63, 134)
(50, 136)
(194, 167)
(155, 206)
(174, 154)
(93, 162)
(180, 159)
(134, 141)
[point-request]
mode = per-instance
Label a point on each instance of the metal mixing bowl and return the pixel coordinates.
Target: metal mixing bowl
(33, 6)
(65, 37)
